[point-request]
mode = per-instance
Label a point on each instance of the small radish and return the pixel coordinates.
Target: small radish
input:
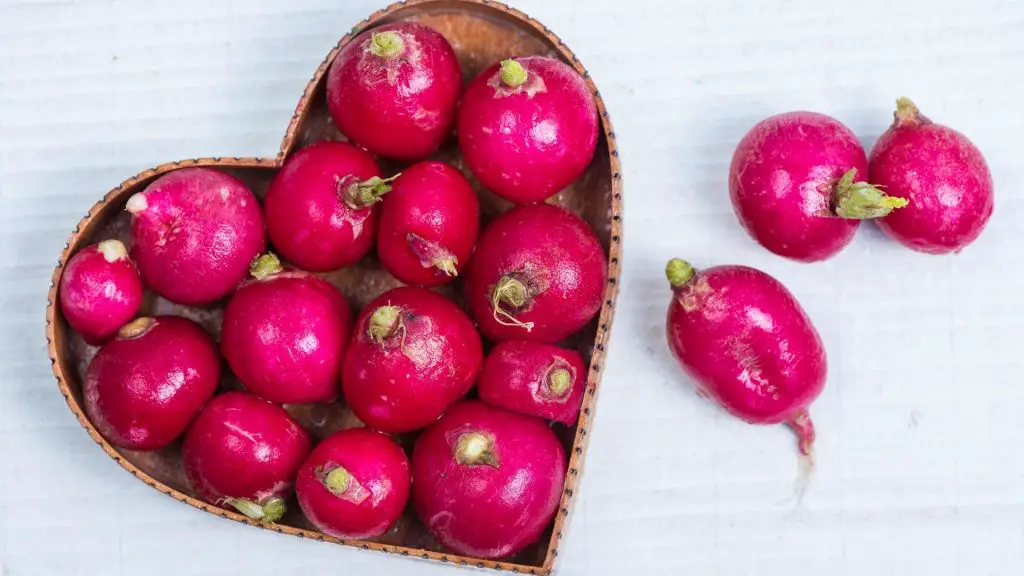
(747, 343)
(414, 352)
(194, 233)
(538, 274)
(535, 379)
(355, 484)
(943, 175)
(322, 206)
(393, 90)
(145, 385)
(527, 127)
(244, 453)
(100, 290)
(284, 334)
(487, 481)
(428, 224)
(796, 186)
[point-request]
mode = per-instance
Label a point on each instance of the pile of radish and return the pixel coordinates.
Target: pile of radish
(800, 183)
(483, 470)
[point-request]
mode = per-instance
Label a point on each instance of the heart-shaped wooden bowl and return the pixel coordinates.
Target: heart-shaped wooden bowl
(482, 32)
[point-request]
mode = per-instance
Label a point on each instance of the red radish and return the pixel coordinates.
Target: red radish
(414, 352)
(284, 334)
(194, 233)
(321, 207)
(428, 224)
(244, 453)
(144, 386)
(393, 90)
(487, 481)
(538, 274)
(796, 186)
(355, 484)
(535, 379)
(943, 175)
(747, 343)
(527, 127)
(100, 290)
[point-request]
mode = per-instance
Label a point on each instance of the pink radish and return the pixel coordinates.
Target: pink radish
(428, 224)
(747, 343)
(244, 453)
(942, 174)
(393, 90)
(194, 232)
(145, 385)
(535, 379)
(355, 484)
(796, 183)
(100, 290)
(538, 274)
(527, 127)
(284, 334)
(414, 352)
(322, 206)
(487, 481)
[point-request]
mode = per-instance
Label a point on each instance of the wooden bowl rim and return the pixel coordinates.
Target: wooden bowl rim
(587, 411)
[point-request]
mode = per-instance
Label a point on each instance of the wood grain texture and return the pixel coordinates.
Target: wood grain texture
(481, 32)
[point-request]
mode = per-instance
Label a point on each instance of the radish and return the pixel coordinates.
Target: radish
(414, 352)
(943, 175)
(355, 484)
(428, 225)
(284, 334)
(393, 90)
(144, 386)
(100, 290)
(538, 274)
(321, 206)
(527, 127)
(535, 379)
(747, 343)
(487, 481)
(244, 453)
(796, 184)
(194, 232)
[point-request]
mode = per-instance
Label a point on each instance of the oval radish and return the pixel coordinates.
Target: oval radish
(942, 174)
(747, 343)
(100, 290)
(534, 379)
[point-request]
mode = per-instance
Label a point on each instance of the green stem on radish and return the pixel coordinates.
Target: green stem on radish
(270, 511)
(363, 194)
(387, 44)
(384, 322)
(861, 201)
(559, 381)
(678, 272)
(513, 74)
(475, 448)
(337, 481)
(907, 113)
(264, 266)
(514, 293)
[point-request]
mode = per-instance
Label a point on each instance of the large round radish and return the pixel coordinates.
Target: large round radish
(194, 233)
(355, 484)
(244, 453)
(535, 379)
(145, 385)
(100, 290)
(284, 334)
(796, 183)
(527, 127)
(538, 274)
(428, 224)
(487, 481)
(942, 174)
(394, 89)
(747, 343)
(413, 353)
(322, 206)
